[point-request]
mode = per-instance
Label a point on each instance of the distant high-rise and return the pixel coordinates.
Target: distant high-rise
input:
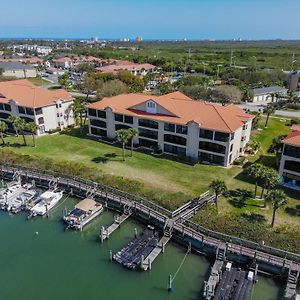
(139, 39)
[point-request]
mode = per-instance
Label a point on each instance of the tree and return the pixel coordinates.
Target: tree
(276, 147)
(33, 127)
(219, 187)
(254, 145)
(22, 125)
(14, 120)
(278, 199)
(270, 109)
(270, 179)
(256, 172)
(132, 134)
(112, 88)
(64, 80)
(3, 128)
(79, 111)
(123, 137)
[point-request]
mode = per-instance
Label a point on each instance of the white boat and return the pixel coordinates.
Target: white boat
(46, 202)
(11, 191)
(21, 201)
(83, 213)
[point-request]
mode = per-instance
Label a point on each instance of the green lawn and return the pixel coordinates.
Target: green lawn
(38, 81)
(156, 174)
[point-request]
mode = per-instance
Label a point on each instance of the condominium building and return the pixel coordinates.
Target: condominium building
(175, 124)
(50, 110)
(289, 170)
(269, 94)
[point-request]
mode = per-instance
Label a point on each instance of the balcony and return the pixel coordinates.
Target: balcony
(148, 123)
(150, 134)
(293, 166)
(212, 147)
(222, 137)
(98, 123)
(291, 151)
(174, 139)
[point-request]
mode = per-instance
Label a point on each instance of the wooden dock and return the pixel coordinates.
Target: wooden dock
(147, 262)
(106, 232)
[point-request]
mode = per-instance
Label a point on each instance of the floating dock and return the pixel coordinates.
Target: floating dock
(132, 256)
(291, 286)
(83, 213)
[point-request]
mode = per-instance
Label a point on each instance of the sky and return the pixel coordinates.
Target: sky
(151, 19)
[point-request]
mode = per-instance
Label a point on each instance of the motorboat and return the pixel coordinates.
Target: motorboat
(11, 191)
(45, 203)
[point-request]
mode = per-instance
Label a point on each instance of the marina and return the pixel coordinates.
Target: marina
(141, 252)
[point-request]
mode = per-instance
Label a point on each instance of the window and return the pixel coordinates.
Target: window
(101, 114)
(147, 133)
(174, 139)
(99, 132)
(1, 106)
(92, 112)
(29, 111)
(151, 107)
(21, 110)
(148, 123)
(206, 134)
(231, 147)
(245, 127)
(98, 123)
(38, 111)
(211, 158)
(181, 129)
(41, 120)
(128, 120)
(121, 126)
(212, 147)
(174, 150)
(57, 115)
(119, 118)
(147, 143)
(221, 136)
(243, 138)
(7, 107)
(169, 127)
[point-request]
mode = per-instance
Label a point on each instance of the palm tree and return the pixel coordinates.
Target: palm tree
(270, 109)
(123, 137)
(33, 127)
(256, 171)
(79, 110)
(22, 125)
(270, 179)
(276, 146)
(3, 128)
(132, 132)
(219, 187)
(278, 199)
(14, 120)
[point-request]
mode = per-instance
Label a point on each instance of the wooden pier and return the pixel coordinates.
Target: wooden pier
(106, 232)
(270, 260)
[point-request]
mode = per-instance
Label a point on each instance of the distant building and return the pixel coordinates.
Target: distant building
(294, 81)
(63, 62)
(290, 159)
(175, 124)
(49, 109)
(37, 49)
(135, 69)
(18, 70)
(268, 94)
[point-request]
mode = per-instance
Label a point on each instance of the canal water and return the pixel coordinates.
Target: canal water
(39, 260)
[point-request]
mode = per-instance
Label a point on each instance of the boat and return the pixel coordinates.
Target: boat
(83, 213)
(19, 203)
(11, 191)
(45, 203)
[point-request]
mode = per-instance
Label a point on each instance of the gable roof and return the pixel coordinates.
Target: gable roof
(293, 138)
(183, 109)
(27, 94)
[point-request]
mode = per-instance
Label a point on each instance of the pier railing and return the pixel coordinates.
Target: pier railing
(242, 242)
(145, 205)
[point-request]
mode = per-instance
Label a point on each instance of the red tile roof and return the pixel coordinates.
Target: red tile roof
(181, 108)
(30, 60)
(294, 137)
(125, 66)
(27, 94)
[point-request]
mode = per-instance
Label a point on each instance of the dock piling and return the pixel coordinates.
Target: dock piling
(110, 255)
(170, 283)
(135, 233)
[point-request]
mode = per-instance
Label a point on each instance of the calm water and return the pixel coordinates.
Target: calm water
(39, 260)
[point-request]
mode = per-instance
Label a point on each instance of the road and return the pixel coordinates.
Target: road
(260, 107)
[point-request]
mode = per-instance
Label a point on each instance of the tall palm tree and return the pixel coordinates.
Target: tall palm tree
(14, 120)
(22, 125)
(123, 137)
(33, 127)
(79, 110)
(276, 147)
(132, 132)
(270, 179)
(269, 110)
(256, 171)
(219, 187)
(3, 128)
(278, 199)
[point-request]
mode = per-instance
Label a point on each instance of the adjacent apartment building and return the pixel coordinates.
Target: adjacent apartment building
(289, 170)
(268, 94)
(50, 110)
(175, 124)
